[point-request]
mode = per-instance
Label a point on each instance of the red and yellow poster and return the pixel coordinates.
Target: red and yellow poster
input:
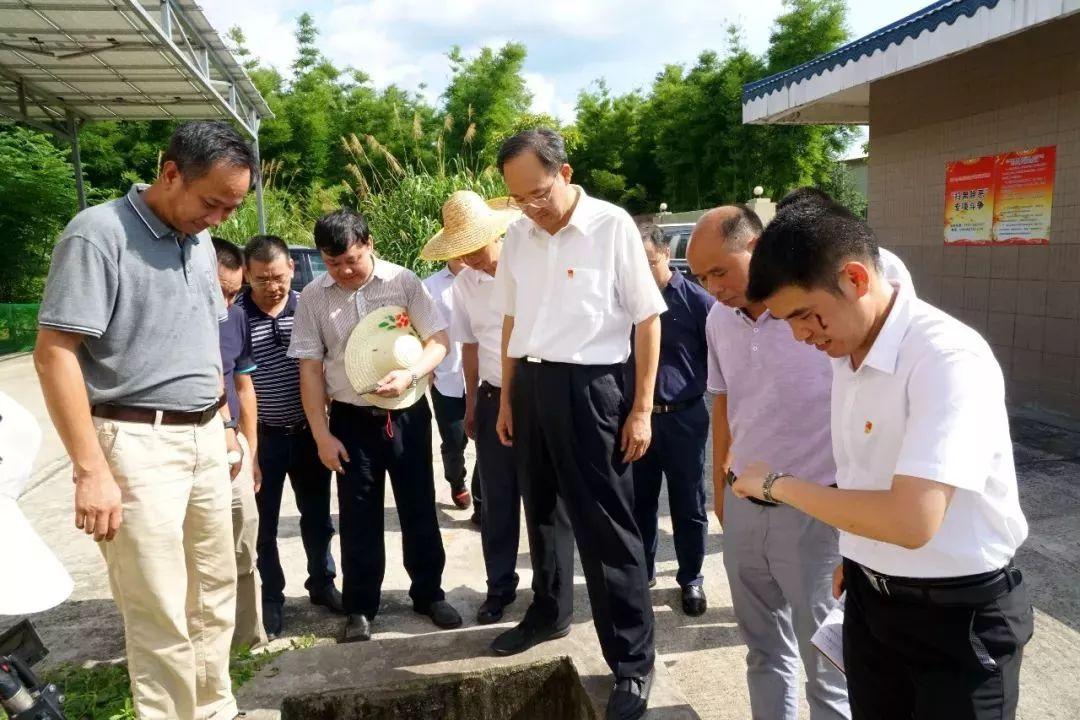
(1002, 199)
(969, 201)
(1024, 194)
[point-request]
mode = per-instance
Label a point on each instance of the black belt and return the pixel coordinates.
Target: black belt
(125, 413)
(675, 407)
(969, 590)
(368, 411)
(489, 388)
(731, 478)
(531, 360)
(294, 429)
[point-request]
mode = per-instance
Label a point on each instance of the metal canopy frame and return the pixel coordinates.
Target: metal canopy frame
(64, 63)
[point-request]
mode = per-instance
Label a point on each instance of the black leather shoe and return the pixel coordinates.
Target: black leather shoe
(693, 600)
(442, 614)
(629, 698)
(330, 598)
(357, 629)
(522, 637)
(272, 619)
(652, 582)
(492, 609)
(476, 519)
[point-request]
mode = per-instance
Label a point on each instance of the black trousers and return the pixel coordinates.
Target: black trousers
(567, 423)
(450, 417)
(677, 452)
(501, 510)
(913, 660)
(405, 453)
(294, 454)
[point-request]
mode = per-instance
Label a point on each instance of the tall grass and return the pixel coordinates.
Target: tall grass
(290, 213)
(402, 202)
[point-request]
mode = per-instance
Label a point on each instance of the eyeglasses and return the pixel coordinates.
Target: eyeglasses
(540, 200)
(279, 280)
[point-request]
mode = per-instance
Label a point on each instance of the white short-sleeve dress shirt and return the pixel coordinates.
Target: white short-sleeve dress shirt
(476, 321)
(449, 380)
(575, 295)
(929, 401)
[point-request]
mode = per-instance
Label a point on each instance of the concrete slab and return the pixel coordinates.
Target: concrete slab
(393, 661)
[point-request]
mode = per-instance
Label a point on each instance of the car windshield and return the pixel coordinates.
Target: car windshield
(678, 237)
(318, 267)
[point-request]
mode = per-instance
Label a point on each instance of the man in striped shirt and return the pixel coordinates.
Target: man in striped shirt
(286, 445)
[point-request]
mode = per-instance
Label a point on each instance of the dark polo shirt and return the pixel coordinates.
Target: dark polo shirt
(147, 300)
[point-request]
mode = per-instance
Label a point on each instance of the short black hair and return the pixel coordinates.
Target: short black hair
(228, 255)
(197, 146)
(548, 146)
(739, 230)
(804, 246)
(651, 233)
(337, 231)
(807, 194)
(265, 248)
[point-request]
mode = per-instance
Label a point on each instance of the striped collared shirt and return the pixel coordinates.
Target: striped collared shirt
(327, 313)
(277, 377)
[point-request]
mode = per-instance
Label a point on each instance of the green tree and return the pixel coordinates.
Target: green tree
(804, 154)
(38, 188)
(485, 97)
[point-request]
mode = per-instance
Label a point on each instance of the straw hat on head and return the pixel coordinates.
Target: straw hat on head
(383, 341)
(469, 223)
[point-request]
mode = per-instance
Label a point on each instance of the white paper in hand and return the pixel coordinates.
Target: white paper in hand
(829, 638)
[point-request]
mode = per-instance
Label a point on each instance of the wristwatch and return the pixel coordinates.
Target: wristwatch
(766, 486)
(415, 380)
(231, 424)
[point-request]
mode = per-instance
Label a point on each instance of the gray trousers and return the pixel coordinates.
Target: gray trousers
(779, 564)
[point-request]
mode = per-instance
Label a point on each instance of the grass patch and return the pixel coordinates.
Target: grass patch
(102, 692)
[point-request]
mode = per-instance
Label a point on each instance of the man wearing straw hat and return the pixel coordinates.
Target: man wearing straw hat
(472, 232)
(572, 282)
(367, 335)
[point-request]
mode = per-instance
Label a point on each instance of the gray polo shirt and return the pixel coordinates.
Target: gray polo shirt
(147, 300)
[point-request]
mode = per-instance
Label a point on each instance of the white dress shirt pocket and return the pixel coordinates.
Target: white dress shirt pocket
(586, 291)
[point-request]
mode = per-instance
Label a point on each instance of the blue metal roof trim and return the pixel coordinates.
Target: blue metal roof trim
(929, 18)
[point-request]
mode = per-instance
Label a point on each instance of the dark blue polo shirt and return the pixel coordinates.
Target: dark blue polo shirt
(277, 379)
(235, 353)
(684, 352)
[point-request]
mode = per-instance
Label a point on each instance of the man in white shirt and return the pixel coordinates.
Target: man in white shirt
(448, 397)
(572, 281)
(936, 615)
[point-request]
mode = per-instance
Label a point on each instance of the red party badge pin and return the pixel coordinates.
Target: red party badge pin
(868, 427)
(570, 273)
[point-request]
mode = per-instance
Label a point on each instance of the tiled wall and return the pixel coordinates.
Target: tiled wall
(1020, 92)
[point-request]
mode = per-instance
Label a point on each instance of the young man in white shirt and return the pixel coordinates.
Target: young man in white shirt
(572, 281)
(936, 615)
(448, 397)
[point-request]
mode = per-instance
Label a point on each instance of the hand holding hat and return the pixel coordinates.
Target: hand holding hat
(381, 351)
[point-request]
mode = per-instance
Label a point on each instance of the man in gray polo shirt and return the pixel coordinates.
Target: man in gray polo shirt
(130, 367)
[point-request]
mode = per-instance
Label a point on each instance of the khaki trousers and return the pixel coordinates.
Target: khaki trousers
(245, 525)
(172, 567)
